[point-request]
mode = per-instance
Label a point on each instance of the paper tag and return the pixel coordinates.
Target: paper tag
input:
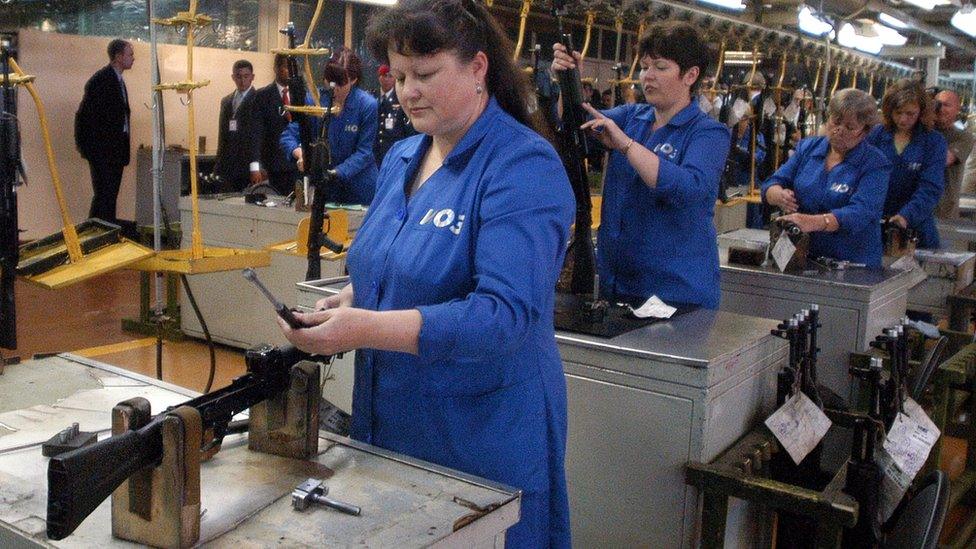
(739, 109)
(769, 107)
(798, 426)
(894, 484)
(911, 438)
(783, 252)
(792, 112)
(655, 308)
(232, 126)
(905, 263)
(308, 191)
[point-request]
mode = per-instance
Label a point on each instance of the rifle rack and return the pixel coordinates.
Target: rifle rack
(196, 259)
(160, 507)
(63, 259)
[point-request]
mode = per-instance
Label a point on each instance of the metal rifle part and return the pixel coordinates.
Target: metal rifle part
(9, 237)
(80, 480)
(314, 491)
(573, 149)
(283, 311)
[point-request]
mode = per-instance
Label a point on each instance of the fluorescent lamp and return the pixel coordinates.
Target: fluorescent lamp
(928, 4)
(892, 21)
(966, 22)
(847, 37)
(889, 36)
(736, 5)
(811, 24)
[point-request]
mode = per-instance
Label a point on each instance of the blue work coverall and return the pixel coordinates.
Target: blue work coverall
(917, 179)
(351, 137)
(853, 191)
(661, 241)
(477, 250)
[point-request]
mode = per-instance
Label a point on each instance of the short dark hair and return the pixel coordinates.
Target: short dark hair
(242, 64)
(347, 59)
(280, 59)
(679, 42)
(462, 27)
(116, 47)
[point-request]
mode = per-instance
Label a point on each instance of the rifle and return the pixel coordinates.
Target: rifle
(9, 164)
(80, 480)
(317, 157)
(573, 149)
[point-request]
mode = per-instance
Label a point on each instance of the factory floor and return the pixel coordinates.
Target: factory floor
(86, 319)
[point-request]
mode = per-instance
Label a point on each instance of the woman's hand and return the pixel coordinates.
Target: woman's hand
(899, 220)
(332, 331)
(606, 130)
(561, 60)
(785, 199)
(808, 223)
(297, 154)
(341, 299)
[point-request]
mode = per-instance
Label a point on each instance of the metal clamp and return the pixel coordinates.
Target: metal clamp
(314, 491)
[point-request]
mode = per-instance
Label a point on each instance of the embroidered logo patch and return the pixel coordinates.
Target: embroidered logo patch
(444, 218)
(667, 149)
(840, 187)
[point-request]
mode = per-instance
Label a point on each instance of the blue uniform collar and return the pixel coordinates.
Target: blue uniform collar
(467, 143)
(854, 156)
(683, 116)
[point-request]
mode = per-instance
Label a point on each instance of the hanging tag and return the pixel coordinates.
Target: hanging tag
(911, 438)
(798, 426)
(769, 107)
(388, 122)
(232, 125)
(308, 191)
(894, 484)
(783, 252)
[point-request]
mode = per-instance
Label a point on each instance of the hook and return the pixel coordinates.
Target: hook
(186, 102)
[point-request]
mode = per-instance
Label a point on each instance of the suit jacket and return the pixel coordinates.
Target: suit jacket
(101, 120)
(393, 125)
(268, 121)
(234, 147)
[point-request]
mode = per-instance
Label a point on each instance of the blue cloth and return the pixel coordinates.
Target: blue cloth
(662, 241)
(853, 191)
(477, 250)
(917, 179)
(351, 138)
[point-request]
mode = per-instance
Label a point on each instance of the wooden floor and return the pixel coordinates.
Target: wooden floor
(86, 318)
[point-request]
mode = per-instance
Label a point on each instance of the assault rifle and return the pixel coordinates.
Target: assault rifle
(573, 150)
(9, 164)
(317, 158)
(80, 480)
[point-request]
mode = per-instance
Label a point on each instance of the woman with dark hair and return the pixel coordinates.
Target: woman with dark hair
(452, 274)
(352, 132)
(917, 154)
(656, 236)
(834, 185)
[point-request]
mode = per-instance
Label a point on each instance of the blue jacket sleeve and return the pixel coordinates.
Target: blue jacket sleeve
(866, 205)
(696, 178)
(760, 148)
(290, 140)
(522, 230)
(362, 156)
(931, 181)
(786, 174)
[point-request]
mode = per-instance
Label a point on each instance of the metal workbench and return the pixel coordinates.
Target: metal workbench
(236, 314)
(245, 496)
(855, 304)
(644, 404)
(958, 235)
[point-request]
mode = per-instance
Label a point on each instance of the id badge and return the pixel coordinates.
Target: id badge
(388, 123)
(232, 126)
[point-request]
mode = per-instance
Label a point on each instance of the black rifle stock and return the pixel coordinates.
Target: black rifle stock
(80, 480)
(9, 163)
(573, 150)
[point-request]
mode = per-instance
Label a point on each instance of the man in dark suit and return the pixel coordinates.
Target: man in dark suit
(394, 124)
(269, 119)
(233, 139)
(102, 129)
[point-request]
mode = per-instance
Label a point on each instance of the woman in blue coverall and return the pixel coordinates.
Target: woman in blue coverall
(917, 154)
(352, 132)
(656, 235)
(452, 274)
(833, 186)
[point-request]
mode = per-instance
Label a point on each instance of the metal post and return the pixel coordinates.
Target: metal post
(157, 157)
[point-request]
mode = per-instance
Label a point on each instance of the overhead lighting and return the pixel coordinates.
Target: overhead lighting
(865, 28)
(928, 4)
(889, 36)
(966, 22)
(387, 3)
(848, 37)
(893, 22)
(736, 5)
(741, 58)
(812, 24)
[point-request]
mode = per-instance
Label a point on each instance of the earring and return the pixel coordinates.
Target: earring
(478, 89)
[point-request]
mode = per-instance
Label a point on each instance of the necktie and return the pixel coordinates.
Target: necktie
(125, 99)
(238, 97)
(286, 102)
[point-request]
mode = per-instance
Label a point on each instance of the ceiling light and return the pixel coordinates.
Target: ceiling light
(376, 2)
(966, 22)
(727, 4)
(813, 24)
(849, 38)
(892, 21)
(865, 28)
(928, 4)
(889, 36)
